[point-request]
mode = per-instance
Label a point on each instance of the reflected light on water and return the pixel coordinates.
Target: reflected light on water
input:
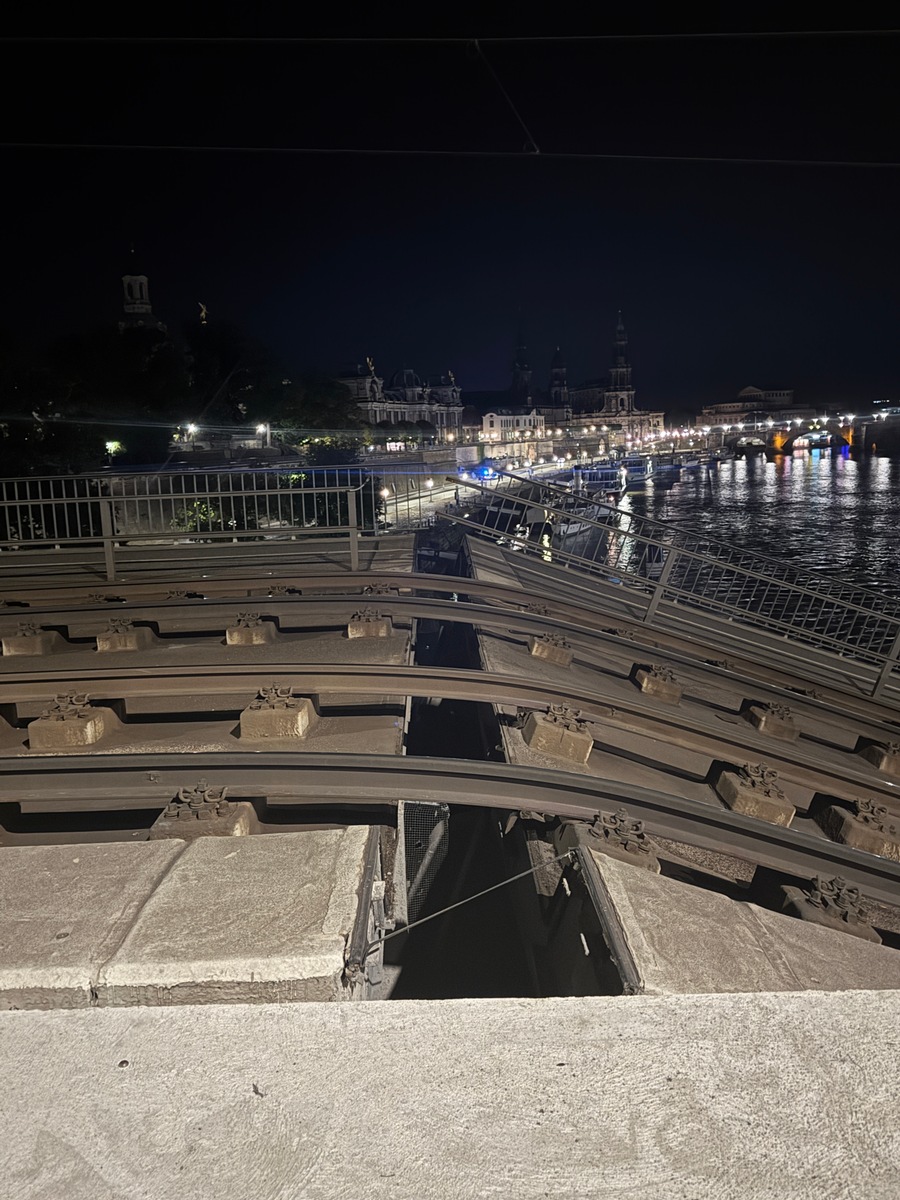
(824, 510)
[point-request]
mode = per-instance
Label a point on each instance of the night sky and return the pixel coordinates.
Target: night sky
(728, 274)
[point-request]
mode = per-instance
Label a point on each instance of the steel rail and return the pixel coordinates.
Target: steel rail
(569, 619)
(87, 620)
(640, 715)
(621, 599)
(150, 780)
(809, 663)
(593, 644)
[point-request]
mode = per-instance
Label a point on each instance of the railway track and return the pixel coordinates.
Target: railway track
(836, 683)
(824, 760)
(124, 773)
(80, 782)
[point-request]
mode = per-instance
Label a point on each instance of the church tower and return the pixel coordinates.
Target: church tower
(559, 388)
(619, 396)
(520, 389)
(137, 313)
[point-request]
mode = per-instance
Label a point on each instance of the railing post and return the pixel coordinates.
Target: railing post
(671, 554)
(108, 532)
(354, 529)
(890, 662)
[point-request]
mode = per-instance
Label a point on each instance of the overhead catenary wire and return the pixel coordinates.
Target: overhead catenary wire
(533, 144)
(417, 152)
(387, 39)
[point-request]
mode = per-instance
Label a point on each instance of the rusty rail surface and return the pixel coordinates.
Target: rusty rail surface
(759, 661)
(150, 780)
(731, 739)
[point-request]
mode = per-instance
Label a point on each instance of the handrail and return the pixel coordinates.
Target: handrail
(34, 520)
(811, 616)
(670, 534)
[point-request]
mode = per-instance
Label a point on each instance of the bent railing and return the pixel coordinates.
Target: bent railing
(660, 563)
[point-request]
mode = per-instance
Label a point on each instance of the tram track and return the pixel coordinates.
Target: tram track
(80, 782)
(591, 636)
(731, 739)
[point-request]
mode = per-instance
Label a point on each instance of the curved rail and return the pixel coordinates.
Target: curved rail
(637, 714)
(842, 679)
(149, 781)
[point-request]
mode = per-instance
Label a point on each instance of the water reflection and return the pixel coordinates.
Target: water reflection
(826, 511)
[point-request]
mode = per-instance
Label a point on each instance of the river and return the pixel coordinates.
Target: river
(826, 510)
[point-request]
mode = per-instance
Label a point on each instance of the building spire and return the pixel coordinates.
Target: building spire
(619, 397)
(137, 311)
(520, 389)
(559, 388)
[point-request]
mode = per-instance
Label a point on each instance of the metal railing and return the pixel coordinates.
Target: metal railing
(661, 563)
(179, 508)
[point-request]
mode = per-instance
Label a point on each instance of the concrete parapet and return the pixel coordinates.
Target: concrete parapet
(266, 1101)
(753, 790)
(369, 623)
(559, 733)
(70, 721)
(552, 648)
(32, 640)
(832, 903)
(659, 682)
(122, 635)
(219, 920)
(776, 720)
(685, 938)
(277, 713)
(883, 755)
(867, 826)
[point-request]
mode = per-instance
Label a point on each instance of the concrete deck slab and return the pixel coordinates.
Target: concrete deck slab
(766, 1097)
(63, 912)
(687, 939)
(249, 919)
(224, 919)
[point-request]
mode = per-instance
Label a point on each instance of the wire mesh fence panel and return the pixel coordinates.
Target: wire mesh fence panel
(426, 836)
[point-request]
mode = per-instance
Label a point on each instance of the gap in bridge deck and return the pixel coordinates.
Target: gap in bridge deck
(474, 950)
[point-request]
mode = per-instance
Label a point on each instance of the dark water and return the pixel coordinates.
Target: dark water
(823, 509)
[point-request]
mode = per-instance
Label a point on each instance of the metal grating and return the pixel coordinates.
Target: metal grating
(426, 836)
